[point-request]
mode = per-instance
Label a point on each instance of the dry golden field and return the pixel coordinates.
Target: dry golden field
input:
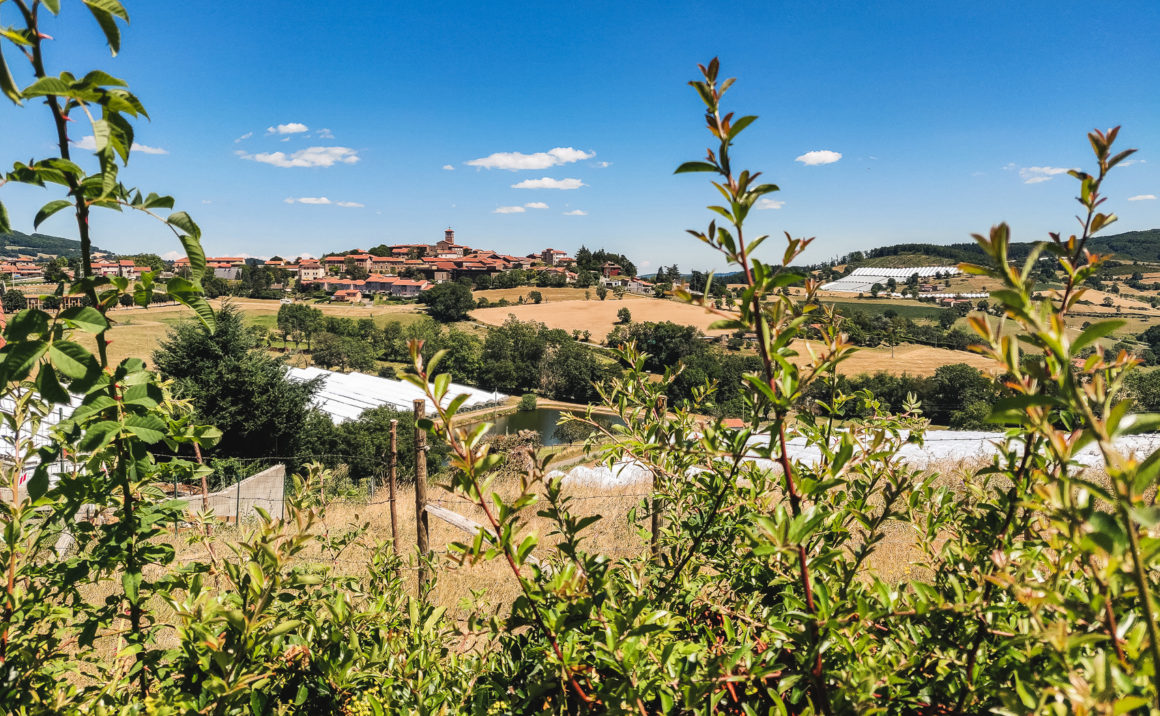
(599, 317)
(907, 358)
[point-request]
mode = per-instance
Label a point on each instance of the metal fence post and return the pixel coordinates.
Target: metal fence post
(238, 503)
(175, 520)
(421, 525)
(393, 463)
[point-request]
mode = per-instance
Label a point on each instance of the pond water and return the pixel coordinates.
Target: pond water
(545, 422)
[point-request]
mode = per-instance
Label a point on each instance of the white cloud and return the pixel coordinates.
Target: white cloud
(88, 142)
(603, 165)
(309, 157)
(145, 149)
(307, 200)
(819, 157)
(288, 128)
(515, 161)
(324, 133)
(206, 201)
(549, 183)
(767, 203)
(536, 205)
(1130, 162)
(172, 255)
(244, 137)
(1142, 197)
(1035, 175)
(509, 210)
(576, 212)
(322, 201)
(448, 168)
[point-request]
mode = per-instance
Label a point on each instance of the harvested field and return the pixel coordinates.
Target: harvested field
(599, 317)
(907, 358)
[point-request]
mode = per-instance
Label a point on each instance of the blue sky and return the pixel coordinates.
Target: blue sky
(948, 117)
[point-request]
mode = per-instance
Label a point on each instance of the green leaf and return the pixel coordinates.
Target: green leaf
(48, 86)
(103, 79)
(740, 124)
(1093, 333)
(131, 582)
(21, 357)
(72, 360)
(25, 323)
(149, 428)
(7, 84)
(86, 318)
(113, 7)
(48, 210)
(98, 435)
(5, 225)
(189, 294)
(52, 5)
(107, 23)
(49, 386)
(181, 220)
(101, 134)
(695, 167)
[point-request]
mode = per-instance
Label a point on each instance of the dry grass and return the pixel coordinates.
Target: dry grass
(906, 358)
(599, 317)
(613, 535)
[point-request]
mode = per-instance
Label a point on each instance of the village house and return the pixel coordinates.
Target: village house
(310, 270)
(349, 295)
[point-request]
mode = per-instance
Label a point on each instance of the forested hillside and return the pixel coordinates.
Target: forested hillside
(17, 243)
(1128, 246)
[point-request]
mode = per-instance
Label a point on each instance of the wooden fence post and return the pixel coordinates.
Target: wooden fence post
(421, 523)
(393, 463)
(655, 506)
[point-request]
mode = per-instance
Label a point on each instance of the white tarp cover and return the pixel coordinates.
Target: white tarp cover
(939, 446)
(344, 396)
(861, 280)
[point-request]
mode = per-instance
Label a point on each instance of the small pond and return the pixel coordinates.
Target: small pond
(544, 421)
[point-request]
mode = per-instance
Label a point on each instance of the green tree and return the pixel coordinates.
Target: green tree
(624, 315)
(947, 318)
(343, 352)
(535, 297)
(448, 302)
(235, 385)
(153, 261)
(570, 371)
(14, 301)
(601, 292)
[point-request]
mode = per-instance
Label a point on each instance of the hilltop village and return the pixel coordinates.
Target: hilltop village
(402, 271)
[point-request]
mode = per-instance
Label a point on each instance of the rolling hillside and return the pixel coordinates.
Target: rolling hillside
(1127, 246)
(17, 243)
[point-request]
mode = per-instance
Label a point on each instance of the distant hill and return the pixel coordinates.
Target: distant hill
(1128, 246)
(17, 243)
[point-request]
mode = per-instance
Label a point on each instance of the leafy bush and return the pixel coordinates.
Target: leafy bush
(1032, 582)
(527, 402)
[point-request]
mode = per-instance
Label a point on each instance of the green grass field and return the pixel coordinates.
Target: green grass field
(913, 311)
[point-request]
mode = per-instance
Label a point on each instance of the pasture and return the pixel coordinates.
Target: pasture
(137, 331)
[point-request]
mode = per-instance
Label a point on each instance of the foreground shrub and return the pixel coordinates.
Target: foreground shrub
(1029, 585)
